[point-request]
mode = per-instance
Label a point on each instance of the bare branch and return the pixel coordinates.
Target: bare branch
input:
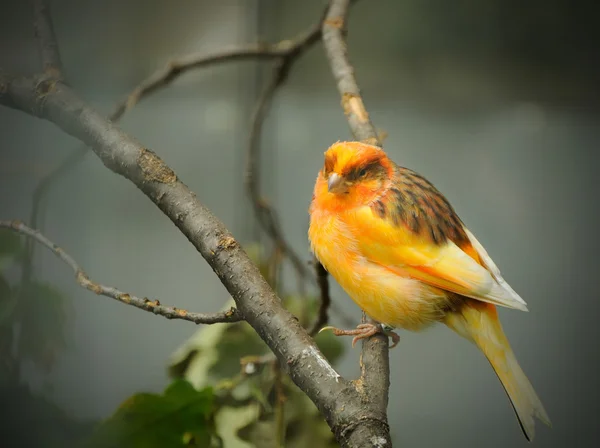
(154, 306)
(334, 41)
(325, 298)
(154, 82)
(335, 397)
(44, 32)
(285, 49)
(348, 407)
(375, 370)
(163, 77)
(265, 214)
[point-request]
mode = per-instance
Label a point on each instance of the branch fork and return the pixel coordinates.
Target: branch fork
(354, 410)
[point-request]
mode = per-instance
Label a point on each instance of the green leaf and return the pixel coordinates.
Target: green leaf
(330, 345)
(237, 341)
(246, 406)
(305, 427)
(213, 353)
(305, 308)
(230, 420)
(180, 417)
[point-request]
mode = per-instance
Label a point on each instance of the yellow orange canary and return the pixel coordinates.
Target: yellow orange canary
(397, 247)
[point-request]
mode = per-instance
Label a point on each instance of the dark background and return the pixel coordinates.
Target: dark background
(495, 101)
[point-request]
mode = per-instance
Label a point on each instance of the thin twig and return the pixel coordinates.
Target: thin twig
(53, 69)
(156, 81)
(354, 417)
(177, 67)
(325, 298)
(44, 32)
(265, 214)
(334, 30)
(353, 421)
(161, 78)
(153, 306)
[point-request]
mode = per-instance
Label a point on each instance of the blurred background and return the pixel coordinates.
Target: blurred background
(494, 101)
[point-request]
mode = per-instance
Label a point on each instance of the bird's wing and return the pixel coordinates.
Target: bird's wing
(468, 271)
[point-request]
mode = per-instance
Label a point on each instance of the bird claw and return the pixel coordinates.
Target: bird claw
(363, 331)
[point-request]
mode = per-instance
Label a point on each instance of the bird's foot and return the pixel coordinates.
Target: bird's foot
(363, 331)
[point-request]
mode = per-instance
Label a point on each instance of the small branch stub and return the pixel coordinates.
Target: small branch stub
(154, 168)
(170, 312)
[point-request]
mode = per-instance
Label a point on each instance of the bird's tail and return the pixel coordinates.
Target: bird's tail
(479, 323)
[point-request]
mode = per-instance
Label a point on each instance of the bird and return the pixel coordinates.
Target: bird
(397, 247)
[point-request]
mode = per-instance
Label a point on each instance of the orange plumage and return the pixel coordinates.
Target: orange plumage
(398, 248)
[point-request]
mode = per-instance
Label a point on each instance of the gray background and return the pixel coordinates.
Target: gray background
(494, 102)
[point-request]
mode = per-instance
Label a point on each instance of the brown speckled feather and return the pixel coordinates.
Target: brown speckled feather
(414, 202)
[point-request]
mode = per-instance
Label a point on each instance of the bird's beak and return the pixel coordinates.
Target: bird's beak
(335, 183)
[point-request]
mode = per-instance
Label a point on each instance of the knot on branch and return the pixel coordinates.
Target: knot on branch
(335, 22)
(44, 86)
(353, 105)
(226, 242)
(154, 169)
(369, 425)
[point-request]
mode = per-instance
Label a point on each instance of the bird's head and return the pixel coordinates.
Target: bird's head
(354, 174)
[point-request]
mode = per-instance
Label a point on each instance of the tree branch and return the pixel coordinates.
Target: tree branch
(325, 301)
(285, 49)
(154, 306)
(335, 397)
(334, 29)
(44, 32)
(374, 382)
(265, 214)
(288, 49)
(347, 406)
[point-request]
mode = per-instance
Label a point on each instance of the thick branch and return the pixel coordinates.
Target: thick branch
(288, 49)
(44, 32)
(375, 370)
(159, 79)
(348, 407)
(154, 306)
(334, 28)
(336, 398)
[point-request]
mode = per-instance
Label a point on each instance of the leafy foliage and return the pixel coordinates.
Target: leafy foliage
(247, 401)
(181, 416)
(253, 404)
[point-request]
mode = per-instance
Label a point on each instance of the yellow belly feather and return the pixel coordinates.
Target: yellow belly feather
(386, 296)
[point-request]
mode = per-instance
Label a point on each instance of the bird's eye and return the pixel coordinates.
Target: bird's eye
(362, 173)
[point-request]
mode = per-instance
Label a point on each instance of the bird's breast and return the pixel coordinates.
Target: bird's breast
(385, 295)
